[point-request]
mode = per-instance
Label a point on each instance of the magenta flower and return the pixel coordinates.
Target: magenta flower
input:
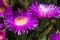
(21, 22)
(2, 35)
(43, 10)
(5, 10)
(55, 36)
(2, 7)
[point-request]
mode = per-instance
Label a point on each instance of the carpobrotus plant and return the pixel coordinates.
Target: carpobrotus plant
(21, 22)
(28, 23)
(55, 36)
(44, 10)
(4, 10)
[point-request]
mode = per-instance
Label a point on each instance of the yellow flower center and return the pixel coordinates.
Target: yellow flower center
(20, 20)
(2, 9)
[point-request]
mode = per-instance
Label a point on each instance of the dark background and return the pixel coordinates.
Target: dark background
(58, 2)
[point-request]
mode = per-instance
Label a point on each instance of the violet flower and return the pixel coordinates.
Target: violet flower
(21, 22)
(44, 10)
(55, 36)
(5, 10)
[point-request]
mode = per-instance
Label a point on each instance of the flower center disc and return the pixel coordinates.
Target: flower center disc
(2, 9)
(20, 20)
(1, 37)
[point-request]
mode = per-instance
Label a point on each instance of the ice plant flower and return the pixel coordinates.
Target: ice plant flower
(2, 34)
(4, 10)
(2, 7)
(21, 22)
(44, 10)
(55, 36)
